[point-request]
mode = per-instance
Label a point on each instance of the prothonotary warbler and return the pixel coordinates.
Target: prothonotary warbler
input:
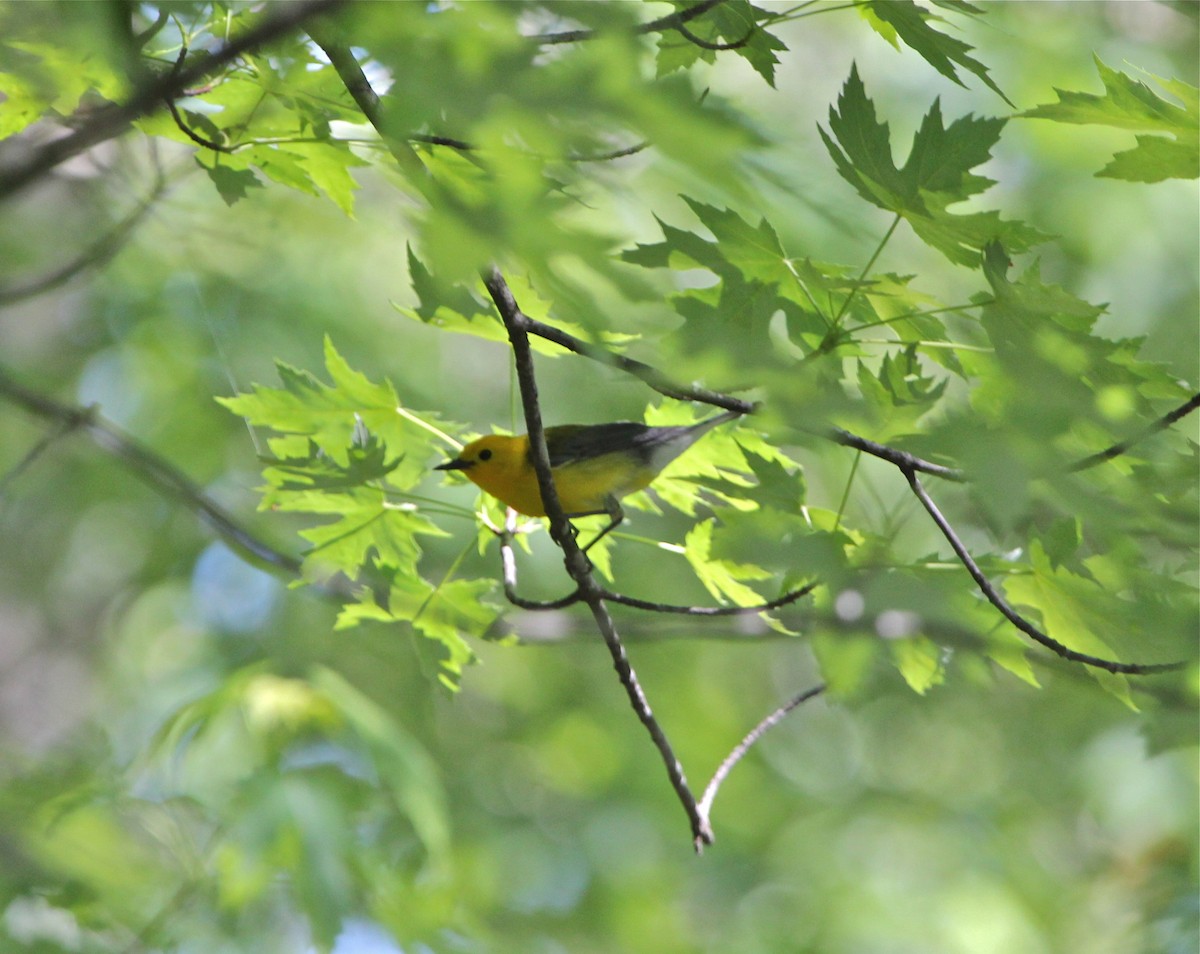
(593, 464)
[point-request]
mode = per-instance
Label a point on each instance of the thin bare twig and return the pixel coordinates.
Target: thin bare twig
(665, 386)
(509, 569)
(1020, 622)
(36, 451)
(195, 136)
(723, 770)
(609, 156)
(1116, 450)
(639, 369)
(709, 44)
(576, 563)
(786, 599)
(902, 459)
(509, 564)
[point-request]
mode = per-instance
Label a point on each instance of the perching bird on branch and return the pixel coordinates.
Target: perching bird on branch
(593, 465)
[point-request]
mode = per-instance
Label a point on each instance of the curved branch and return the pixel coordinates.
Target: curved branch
(193, 135)
(509, 568)
(639, 369)
(998, 601)
(509, 564)
(431, 140)
(671, 21)
(723, 770)
(902, 459)
(665, 386)
(708, 44)
(611, 155)
(784, 600)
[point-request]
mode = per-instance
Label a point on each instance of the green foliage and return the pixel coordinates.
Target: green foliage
(352, 453)
(905, 20)
(197, 757)
(1131, 104)
(935, 176)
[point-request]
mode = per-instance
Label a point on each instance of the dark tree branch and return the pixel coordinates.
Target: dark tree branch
(640, 370)
(574, 559)
(908, 464)
(359, 87)
(154, 470)
(723, 770)
(671, 21)
(99, 253)
(113, 120)
(709, 44)
(786, 599)
(36, 451)
(998, 601)
(663, 385)
(902, 459)
(442, 141)
(509, 564)
(1116, 450)
(611, 155)
(509, 568)
(193, 135)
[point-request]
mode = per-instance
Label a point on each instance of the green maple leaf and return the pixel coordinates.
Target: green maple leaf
(1131, 104)
(936, 174)
(905, 20)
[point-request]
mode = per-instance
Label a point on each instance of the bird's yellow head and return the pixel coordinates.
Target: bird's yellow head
(499, 465)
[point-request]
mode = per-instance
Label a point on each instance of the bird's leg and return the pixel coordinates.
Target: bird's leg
(615, 517)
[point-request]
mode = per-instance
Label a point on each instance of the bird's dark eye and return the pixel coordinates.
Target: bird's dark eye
(485, 454)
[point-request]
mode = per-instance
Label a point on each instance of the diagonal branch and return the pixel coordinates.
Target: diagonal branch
(344, 62)
(902, 459)
(998, 601)
(155, 471)
(574, 559)
(709, 44)
(665, 386)
(1116, 450)
(639, 369)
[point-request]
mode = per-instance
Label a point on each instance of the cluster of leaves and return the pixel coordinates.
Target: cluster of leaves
(351, 451)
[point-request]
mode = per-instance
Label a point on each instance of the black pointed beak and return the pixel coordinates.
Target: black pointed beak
(457, 464)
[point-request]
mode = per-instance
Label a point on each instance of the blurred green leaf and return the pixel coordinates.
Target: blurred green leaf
(911, 23)
(1131, 104)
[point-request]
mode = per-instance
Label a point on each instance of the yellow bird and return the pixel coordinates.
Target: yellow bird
(593, 465)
